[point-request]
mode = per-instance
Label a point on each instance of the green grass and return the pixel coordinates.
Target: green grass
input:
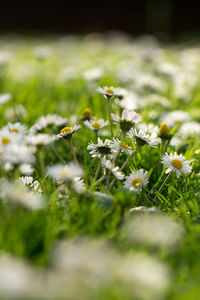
(32, 235)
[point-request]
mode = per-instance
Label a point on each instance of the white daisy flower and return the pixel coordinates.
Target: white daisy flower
(150, 128)
(40, 139)
(7, 138)
(32, 184)
(130, 101)
(26, 169)
(107, 164)
(95, 124)
(176, 163)
(46, 121)
(136, 180)
(189, 130)
(109, 92)
(64, 173)
(78, 185)
(116, 144)
(67, 132)
(127, 120)
(93, 74)
(17, 154)
(142, 138)
(15, 113)
(100, 149)
(18, 194)
(176, 117)
(16, 128)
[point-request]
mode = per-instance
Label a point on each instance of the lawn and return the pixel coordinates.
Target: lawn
(99, 166)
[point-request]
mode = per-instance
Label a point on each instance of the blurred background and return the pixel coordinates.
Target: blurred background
(172, 17)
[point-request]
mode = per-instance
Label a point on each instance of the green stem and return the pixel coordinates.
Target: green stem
(110, 119)
(73, 151)
(114, 162)
(123, 166)
(96, 134)
(162, 185)
(97, 170)
(100, 180)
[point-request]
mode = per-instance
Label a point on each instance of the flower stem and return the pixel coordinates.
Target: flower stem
(100, 180)
(73, 151)
(110, 119)
(123, 166)
(114, 162)
(97, 170)
(162, 185)
(96, 134)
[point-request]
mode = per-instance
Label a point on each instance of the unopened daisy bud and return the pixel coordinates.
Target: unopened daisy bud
(164, 132)
(86, 114)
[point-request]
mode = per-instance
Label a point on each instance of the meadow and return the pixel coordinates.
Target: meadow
(99, 166)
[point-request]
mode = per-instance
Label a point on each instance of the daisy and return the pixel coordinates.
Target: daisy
(107, 164)
(95, 124)
(17, 193)
(148, 127)
(29, 182)
(78, 185)
(26, 169)
(127, 120)
(40, 139)
(17, 154)
(100, 149)
(136, 180)
(67, 132)
(142, 138)
(116, 144)
(16, 128)
(46, 121)
(64, 173)
(189, 130)
(130, 101)
(176, 163)
(109, 92)
(15, 113)
(7, 138)
(176, 117)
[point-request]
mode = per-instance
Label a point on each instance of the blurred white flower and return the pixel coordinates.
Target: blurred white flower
(64, 173)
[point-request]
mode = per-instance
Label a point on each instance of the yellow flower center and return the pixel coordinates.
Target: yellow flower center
(109, 91)
(14, 130)
(66, 130)
(164, 129)
(64, 173)
(87, 111)
(96, 125)
(5, 140)
(178, 122)
(136, 182)
(177, 163)
(124, 145)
